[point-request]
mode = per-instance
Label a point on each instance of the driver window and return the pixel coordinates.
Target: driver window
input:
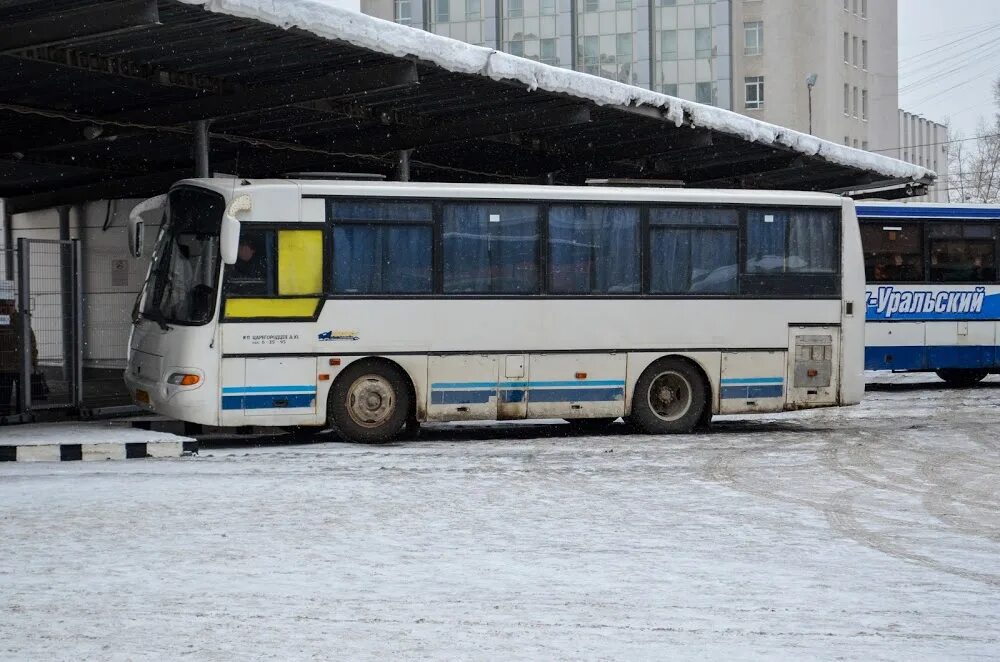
(253, 274)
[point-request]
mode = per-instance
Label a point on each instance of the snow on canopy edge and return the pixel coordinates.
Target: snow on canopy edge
(369, 32)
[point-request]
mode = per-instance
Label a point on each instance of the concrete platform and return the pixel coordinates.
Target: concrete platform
(90, 441)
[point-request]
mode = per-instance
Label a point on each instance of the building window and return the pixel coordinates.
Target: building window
(703, 42)
(549, 51)
(847, 99)
(442, 11)
(473, 9)
(855, 105)
(670, 89)
(403, 12)
(591, 5)
(623, 4)
(864, 145)
(855, 7)
(847, 5)
(855, 143)
(668, 3)
(516, 47)
(864, 54)
(548, 7)
(515, 8)
(847, 141)
(753, 36)
(864, 8)
(754, 92)
(592, 55)
(668, 45)
(856, 59)
(703, 93)
(847, 48)
(864, 105)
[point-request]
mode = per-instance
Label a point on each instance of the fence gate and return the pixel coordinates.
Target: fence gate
(49, 325)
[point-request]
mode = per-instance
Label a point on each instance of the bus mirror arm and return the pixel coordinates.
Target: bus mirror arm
(229, 239)
(229, 236)
(136, 224)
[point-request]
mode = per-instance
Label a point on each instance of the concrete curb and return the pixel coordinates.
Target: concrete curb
(92, 452)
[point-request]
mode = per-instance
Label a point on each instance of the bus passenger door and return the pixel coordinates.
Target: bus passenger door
(463, 387)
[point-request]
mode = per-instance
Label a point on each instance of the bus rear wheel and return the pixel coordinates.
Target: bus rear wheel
(369, 403)
(669, 398)
(962, 377)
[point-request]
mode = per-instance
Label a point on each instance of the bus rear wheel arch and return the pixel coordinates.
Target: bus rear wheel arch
(370, 401)
(671, 396)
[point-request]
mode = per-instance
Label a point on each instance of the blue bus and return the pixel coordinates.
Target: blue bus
(933, 296)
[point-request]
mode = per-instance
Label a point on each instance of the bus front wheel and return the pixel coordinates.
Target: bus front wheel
(962, 376)
(369, 402)
(669, 398)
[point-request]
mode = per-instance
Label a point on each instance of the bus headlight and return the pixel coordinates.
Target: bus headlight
(183, 379)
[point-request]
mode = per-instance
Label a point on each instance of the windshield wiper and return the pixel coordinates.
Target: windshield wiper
(157, 316)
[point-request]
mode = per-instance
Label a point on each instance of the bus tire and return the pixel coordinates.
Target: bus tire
(370, 402)
(962, 377)
(669, 398)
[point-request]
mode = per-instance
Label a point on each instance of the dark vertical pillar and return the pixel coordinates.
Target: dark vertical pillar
(403, 165)
(7, 240)
(201, 166)
(24, 308)
(574, 34)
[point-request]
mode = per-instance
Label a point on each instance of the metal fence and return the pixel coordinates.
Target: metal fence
(69, 344)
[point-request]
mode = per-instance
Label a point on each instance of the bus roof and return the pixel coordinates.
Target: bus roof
(954, 211)
(321, 188)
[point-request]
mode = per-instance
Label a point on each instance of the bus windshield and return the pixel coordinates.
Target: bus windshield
(186, 262)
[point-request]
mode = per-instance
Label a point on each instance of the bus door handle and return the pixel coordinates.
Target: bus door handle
(280, 403)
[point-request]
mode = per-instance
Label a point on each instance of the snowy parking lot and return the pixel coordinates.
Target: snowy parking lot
(870, 532)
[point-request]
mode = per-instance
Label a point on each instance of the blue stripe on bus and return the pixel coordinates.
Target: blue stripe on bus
(230, 402)
(752, 380)
(522, 384)
(931, 357)
(482, 396)
(238, 390)
(748, 392)
(913, 211)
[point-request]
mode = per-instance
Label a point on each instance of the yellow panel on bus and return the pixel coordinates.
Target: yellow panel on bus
(300, 262)
(283, 308)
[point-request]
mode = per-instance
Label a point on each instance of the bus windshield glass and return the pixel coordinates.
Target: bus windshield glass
(186, 263)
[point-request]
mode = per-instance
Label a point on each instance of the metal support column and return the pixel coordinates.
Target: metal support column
(24, 308)
(66, 304)
(403, 165)
(7, 241)
(201, 167)
(77, 357)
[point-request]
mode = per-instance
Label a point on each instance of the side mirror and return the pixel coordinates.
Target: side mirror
(229, 236)
(136, 224)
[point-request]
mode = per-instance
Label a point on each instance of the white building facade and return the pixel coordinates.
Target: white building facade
(925, 143)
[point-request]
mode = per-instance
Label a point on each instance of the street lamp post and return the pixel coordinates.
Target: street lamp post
(810, 83)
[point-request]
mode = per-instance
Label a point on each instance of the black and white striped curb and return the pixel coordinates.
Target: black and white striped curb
(62, 452)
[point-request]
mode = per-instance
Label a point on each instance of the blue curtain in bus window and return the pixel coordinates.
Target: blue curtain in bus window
(374, 211)
(491, 248)
(593, 249)
(812, 241)
(388, 259)
(684, 261)
(766, 230)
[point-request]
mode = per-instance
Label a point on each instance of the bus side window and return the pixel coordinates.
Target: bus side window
(962, 253)
(253, 272)
(893, 253)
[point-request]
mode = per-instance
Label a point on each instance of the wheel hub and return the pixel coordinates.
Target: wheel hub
(670, 396)
(370, 401)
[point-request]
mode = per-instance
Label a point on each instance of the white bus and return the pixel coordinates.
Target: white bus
(370, 306)
(933, 300)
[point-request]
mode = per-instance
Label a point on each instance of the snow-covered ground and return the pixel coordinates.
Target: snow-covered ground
(863, 533)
